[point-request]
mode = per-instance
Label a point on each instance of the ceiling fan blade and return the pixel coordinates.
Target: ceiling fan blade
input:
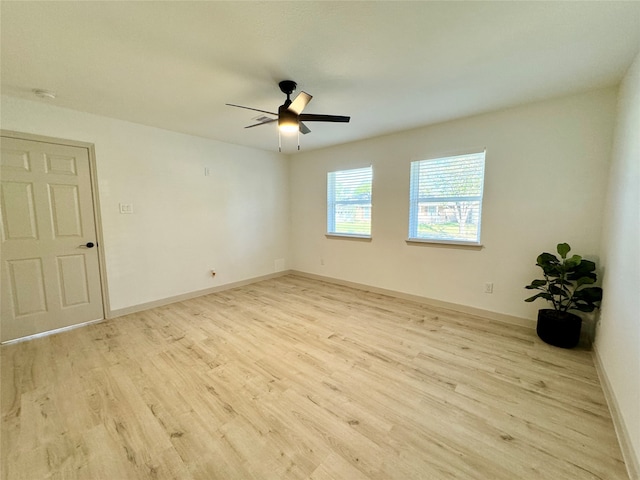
(249, 108)
(303, 128)
(300, 102)
(262, 123)
(310, 117)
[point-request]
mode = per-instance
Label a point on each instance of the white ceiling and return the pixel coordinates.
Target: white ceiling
(391, 66)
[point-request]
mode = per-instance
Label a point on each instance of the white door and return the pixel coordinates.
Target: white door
(50, 273)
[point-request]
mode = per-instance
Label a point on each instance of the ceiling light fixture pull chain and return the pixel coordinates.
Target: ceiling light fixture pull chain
(279, 141)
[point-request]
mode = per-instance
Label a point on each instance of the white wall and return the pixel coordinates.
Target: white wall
(618, 338)
(545, 182)
(185, 223)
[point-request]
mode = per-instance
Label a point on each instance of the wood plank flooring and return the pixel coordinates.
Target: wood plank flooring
(293, 378)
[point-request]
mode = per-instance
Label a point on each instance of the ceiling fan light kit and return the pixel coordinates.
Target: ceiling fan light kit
(290, 116)
(287, 120)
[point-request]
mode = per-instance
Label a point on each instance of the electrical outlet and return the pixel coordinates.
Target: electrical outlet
(126, 208)
(488, 287)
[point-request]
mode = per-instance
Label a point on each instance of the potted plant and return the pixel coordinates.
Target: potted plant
(564, 285)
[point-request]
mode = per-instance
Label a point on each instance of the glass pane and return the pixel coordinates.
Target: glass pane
(353, 219)
(449, 221)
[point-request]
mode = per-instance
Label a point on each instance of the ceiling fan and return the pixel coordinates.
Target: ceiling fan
(290, 117)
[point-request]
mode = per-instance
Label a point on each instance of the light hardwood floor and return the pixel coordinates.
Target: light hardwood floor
(293, 378)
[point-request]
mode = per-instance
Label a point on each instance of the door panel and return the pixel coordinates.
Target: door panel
(49, 278)
(65, 210)
(15, 160)
(58, 164)
(72, 273)
(27, 286)
(19, 214)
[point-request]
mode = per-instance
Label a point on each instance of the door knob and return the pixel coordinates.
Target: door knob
(88, 245)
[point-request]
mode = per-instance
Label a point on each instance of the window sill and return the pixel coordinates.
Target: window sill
(445, 243)
(349, 236)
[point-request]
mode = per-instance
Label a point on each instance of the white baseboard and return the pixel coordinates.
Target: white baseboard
(500, 317)
(186, 296)
(631, 460)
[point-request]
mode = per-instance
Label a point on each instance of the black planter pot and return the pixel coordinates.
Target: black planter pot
(560, 329)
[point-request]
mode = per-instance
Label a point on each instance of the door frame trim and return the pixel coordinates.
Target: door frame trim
(95, 197)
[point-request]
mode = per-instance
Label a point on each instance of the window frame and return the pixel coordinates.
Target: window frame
(415, 200)
(332, 202)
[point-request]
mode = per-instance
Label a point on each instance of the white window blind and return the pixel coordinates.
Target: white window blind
(446, 199)
(349, 202)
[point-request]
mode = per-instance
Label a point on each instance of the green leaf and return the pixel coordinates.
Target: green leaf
(536, 284)
(585, 281)
(586, 268)
(563, 249)
(589, 294)
(556, 290)
(544, 295)
(584, 307)
(550, 264)
(573, 262)
(547, 259)
(587, 299)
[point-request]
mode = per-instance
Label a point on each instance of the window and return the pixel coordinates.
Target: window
(446, 199)
(349, 202)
